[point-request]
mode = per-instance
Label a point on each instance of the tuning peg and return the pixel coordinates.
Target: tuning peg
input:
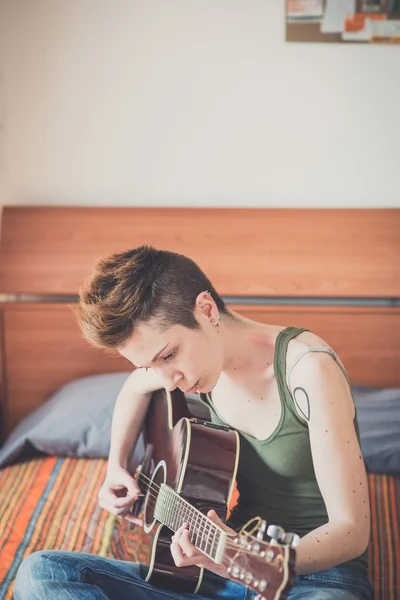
(261, 585)
(275, 533)
(261, 531)
(291, 539)
(254, 547)
(248, 577)
(235, 571)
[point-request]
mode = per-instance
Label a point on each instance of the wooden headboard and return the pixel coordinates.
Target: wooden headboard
(336, 272)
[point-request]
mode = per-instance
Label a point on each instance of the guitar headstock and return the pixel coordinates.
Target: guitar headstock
(262, 558)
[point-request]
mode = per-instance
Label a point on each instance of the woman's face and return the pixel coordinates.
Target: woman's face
(191, 360)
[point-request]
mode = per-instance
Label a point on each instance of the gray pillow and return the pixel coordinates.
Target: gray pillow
(76, 421)
(378, 415)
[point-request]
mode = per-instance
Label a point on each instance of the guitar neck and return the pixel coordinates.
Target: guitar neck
(172, 510)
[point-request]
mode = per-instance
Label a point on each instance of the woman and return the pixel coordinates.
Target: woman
(282, 388)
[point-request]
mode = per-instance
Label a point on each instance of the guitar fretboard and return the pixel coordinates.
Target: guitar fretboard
(172, 510)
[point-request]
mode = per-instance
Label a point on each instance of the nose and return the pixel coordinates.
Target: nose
(171, 380)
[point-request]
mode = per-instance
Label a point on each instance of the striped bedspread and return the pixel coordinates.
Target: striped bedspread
(52, 503)
(384, 547)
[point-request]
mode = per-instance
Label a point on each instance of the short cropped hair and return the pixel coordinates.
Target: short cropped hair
(131, 287)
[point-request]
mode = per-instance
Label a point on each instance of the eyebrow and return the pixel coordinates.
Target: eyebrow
(155, 357)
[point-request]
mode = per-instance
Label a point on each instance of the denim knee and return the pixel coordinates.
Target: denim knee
(34, 571)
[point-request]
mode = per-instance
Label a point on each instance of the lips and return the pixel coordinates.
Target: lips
(193, 389)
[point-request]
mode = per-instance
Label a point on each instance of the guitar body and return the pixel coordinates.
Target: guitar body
(196, 459)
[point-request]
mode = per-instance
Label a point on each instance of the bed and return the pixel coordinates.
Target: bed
(336, 272)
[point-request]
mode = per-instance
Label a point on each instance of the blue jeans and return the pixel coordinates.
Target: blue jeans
(62, 575)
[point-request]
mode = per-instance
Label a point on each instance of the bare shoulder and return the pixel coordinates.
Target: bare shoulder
(317, 375)
(301, 344)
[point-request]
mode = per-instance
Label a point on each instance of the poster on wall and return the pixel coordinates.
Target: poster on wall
(346, 21)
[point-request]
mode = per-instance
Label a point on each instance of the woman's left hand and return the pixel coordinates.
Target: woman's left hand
(185, 553)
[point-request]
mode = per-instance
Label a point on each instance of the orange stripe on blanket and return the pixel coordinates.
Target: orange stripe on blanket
(395, 524)
(12, 499)
(63, 516)
(25, 514)
(104, 524)
(47, 526)
(86, 506)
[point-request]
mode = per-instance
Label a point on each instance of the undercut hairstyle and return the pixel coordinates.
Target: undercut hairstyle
(136, 286)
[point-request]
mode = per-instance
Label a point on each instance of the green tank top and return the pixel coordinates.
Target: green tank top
(276, 478)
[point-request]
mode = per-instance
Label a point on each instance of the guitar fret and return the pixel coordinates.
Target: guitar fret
(189, 520)
(206, 539)
(176, 521)
(200, 529)
(174, 513)
(199, 538)
(183, 511)
(203, 525)
(164, 509)
(177, 517)
(186, 511)
(195, 530)
(180, 516)
(172, 510)
(214, 544)
(159, 509)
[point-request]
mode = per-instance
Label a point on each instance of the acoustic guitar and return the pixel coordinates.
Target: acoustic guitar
(189, 467)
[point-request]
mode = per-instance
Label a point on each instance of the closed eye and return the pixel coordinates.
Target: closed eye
(170, 356)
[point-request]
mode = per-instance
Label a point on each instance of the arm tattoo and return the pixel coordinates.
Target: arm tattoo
(300, 393)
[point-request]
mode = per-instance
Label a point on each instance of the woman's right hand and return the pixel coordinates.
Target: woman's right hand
(118, 493)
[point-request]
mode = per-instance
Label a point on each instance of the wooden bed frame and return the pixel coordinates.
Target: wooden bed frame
(336, 272)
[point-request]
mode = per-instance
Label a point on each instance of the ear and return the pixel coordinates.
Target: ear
(205, 305)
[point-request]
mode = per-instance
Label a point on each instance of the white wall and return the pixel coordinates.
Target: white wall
(191, 102)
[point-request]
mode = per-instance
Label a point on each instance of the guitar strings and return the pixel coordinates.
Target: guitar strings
(195, 530)
(195, 527)
(149, 483)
